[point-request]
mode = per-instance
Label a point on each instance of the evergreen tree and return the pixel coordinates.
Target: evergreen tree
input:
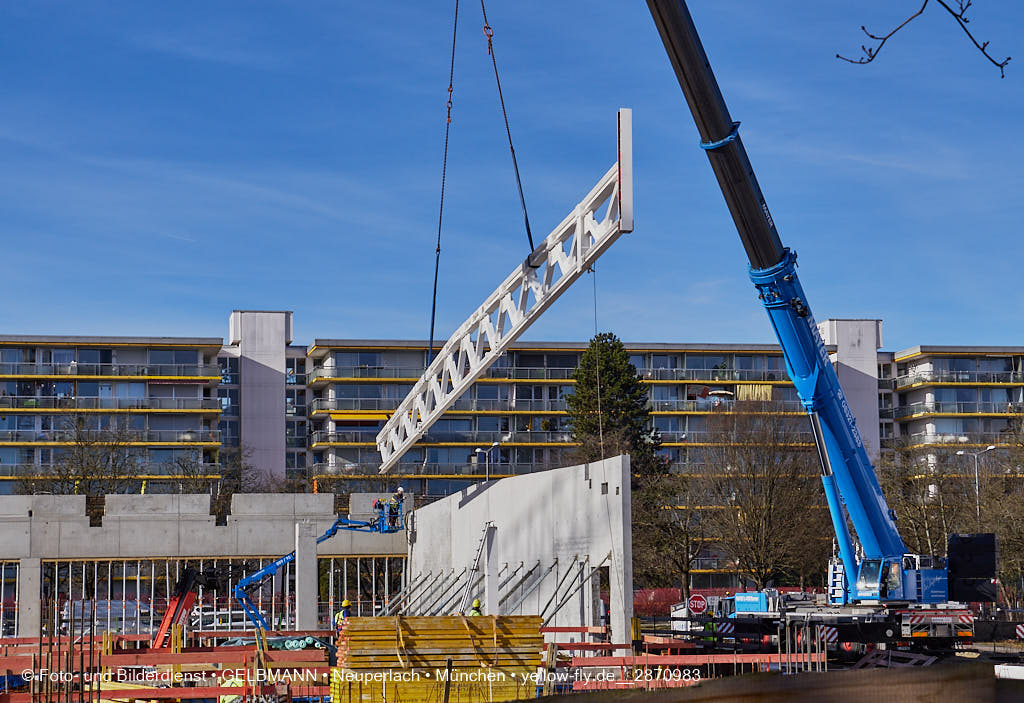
(609, 415)
(608, 410)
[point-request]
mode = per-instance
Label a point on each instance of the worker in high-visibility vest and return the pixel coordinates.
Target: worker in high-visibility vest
(342, 615)
(475, 609)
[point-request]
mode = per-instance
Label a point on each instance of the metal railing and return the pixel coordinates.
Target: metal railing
(713, 375)
(949, 438)
(463, 404)
(704, 436)
(93, 403)
(144, 468)
(726, 405)
(108, 436)
(1009, 377)
(76, 369)
(949, 407)
(320, 373)
(468, 469)
(440, 436)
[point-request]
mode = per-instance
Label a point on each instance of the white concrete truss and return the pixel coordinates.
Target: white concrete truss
(593, 225)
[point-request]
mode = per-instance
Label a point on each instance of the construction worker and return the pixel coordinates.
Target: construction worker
(475, 610)
(342, 615)
(395, 507)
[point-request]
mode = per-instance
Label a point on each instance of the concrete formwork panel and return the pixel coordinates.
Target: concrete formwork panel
(564, 523)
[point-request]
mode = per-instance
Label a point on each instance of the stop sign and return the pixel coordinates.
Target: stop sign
(697, 604)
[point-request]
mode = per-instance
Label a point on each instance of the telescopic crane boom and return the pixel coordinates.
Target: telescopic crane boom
(885, 571)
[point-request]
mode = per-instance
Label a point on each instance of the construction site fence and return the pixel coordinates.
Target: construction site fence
(129, 596)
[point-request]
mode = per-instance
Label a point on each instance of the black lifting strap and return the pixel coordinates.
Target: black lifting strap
(519, 184)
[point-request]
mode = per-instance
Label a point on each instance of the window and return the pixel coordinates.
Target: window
(357, 390)
(131, 390)
(94, 356)
(664, 391)
(561, 361)
(749, 362)
(705, 361)
(530, 360)
(228, 369)
(491, 391)
(638, 361)
(664, 361)
(172, 356)
(295, 401)
(88, 389)
(492, 423)
(357, 358)
(18, 356)
(228, 398)
(295, 371)
(63, 357)
(229, 432)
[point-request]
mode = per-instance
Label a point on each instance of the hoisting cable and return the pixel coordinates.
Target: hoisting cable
(519, 184)
(444, 170)
(597, 360)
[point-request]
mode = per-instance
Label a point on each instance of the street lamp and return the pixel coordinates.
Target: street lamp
(977, 485)
(487, 458)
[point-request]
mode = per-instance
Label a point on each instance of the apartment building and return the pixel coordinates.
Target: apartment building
(313, 412)
(971, 397)
(154, 398)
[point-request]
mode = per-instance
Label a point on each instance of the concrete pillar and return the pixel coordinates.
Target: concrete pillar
(30, 576)
(490, 572)
(306, 576)
(621, 569)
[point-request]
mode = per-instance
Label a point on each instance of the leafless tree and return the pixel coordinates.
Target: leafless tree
(931, 493)
(100, 459)
(668, 529)
(957, 10)
(772, 518)
(927, 489)
(1002, 506)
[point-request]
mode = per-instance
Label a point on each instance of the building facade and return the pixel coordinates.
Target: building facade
(313, 413)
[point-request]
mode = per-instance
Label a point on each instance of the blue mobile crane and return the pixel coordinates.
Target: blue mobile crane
(883, 572)
(384, 522)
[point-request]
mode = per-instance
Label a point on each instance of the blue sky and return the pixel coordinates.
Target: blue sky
(164, 163)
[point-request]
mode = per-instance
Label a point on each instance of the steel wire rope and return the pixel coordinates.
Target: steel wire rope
(489, 32)
(444, 172)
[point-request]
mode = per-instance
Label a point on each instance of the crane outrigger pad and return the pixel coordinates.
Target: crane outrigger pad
(534, 285)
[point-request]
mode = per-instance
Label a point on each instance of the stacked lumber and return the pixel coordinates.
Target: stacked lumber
(497, 641)
(493, 658)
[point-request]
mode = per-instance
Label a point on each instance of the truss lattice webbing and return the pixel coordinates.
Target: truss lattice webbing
(559, 260)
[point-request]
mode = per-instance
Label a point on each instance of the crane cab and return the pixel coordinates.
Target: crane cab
(912, 578)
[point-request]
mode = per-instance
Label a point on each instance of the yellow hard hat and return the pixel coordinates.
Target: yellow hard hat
(476, 602)
(345, 603)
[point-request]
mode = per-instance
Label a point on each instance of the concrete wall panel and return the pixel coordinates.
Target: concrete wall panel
(562, 518)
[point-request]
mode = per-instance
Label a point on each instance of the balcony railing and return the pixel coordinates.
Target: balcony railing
(108, 436)
(85, 403)
(321, 373)
(76, 369)
(144, 468)
(438, 436)
(952, 408)
(713, 375)
(468, 469)
(726, 405)
(704, 436)
(949, 438)
(463, 404)
(1008, 377)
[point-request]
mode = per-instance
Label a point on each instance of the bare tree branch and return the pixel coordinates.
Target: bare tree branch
(959, 14)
